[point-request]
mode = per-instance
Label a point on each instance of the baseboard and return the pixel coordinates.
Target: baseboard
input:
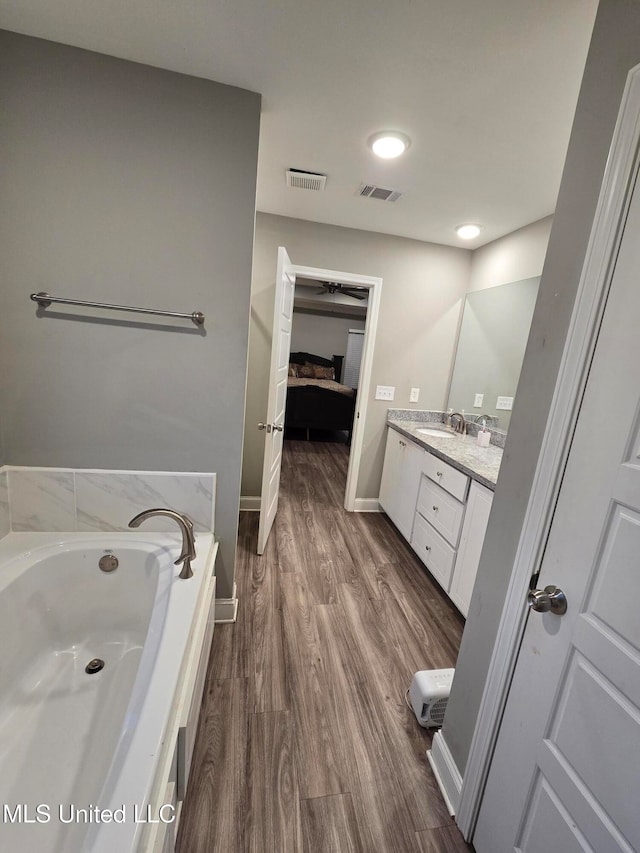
(226, 608)
(250, 503)
(366, 505)
(446, 772)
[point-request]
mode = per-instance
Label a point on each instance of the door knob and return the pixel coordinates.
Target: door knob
(550, 599)
(278, 428)
(265, 426)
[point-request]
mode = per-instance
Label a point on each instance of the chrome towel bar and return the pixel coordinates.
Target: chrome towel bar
(45, 299)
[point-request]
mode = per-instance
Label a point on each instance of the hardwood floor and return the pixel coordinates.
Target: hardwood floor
(305, 741)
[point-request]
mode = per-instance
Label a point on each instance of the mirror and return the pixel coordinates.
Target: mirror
(493, 336)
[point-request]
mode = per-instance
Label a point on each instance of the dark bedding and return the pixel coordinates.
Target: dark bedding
(318, 403)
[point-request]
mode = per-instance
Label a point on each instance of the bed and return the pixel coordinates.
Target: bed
(315, 397)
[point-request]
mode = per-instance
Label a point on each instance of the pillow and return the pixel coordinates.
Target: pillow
(323, 372)
(305, 371)
(293, 370)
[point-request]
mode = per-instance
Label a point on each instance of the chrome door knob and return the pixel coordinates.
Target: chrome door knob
(278, 428)
(265, 426)
(550, 599)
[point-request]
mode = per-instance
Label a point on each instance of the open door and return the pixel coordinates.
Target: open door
(564, 775)
(273, 425)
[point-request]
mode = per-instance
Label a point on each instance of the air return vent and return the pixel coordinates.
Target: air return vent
(305, 180)
(382, 194)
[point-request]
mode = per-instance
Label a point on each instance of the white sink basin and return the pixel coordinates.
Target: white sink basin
(435, 432)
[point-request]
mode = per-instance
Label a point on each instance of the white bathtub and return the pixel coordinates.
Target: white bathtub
(103, 742)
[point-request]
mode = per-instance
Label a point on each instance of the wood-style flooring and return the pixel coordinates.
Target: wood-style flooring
(305, 741)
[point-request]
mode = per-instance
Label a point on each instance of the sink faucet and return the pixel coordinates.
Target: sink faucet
(188, 541)
(461, 426)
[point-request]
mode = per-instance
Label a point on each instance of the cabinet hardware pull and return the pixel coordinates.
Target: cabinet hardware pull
(435, 508)
(427, 547)
(438, 473)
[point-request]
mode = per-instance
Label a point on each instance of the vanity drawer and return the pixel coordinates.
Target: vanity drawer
(441, 510)
(437, 555)
(446, 476)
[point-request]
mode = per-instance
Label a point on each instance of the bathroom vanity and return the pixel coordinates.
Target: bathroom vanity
(438, 489)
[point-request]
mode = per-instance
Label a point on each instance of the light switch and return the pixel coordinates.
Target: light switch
(505, 403)
(477, 403)
(413, 396)
(385, 392)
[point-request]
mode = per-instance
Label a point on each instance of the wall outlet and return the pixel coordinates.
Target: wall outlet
(505, 403)
(385, 392)
(413, 396)
(477, 402)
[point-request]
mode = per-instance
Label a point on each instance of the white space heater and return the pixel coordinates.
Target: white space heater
(428, 694)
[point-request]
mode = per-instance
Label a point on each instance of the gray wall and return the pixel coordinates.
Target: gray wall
(128, 184)
(422, 294)
(515, 256)
(321, 334)
(615, 48)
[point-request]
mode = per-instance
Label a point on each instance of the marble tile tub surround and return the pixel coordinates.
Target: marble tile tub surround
(82, 500)
(428, 416)
(5, 525)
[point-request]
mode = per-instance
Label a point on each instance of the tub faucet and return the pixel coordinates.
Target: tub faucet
(188, 541)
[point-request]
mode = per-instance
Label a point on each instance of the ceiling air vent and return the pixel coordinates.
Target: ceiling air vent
(382, 194)
(305, 180)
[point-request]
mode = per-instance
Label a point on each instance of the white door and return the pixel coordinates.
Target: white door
(566, 771)
(401, 474)
(389, 498)
(476, 521)
(273, 425)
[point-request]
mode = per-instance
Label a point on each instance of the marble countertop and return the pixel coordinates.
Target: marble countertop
(461, 451)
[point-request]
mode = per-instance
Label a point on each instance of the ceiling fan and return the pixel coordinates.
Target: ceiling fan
(349, 290)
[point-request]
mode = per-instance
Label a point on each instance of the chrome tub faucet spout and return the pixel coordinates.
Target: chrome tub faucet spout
(188, 540)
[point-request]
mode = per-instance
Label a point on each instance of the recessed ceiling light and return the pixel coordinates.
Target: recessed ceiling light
(468, 232)
(389, 144)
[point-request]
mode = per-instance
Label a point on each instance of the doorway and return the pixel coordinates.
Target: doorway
(327, 336)
(273, 427)
(371, 287)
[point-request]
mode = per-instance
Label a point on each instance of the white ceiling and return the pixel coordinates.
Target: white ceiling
(485, 90)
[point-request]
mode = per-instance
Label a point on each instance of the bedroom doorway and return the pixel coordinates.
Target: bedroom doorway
(327, 336)
(281, 348)
(370, 286)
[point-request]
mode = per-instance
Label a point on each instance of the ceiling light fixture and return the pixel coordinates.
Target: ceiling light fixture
(389, 144)
(467, 232)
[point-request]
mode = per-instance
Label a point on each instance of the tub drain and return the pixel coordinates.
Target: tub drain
(108, 563)
(94, 666)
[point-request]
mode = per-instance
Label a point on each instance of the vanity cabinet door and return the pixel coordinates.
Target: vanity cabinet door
(400, 480)
(473, 531)
(389, 485)
(409, 484)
